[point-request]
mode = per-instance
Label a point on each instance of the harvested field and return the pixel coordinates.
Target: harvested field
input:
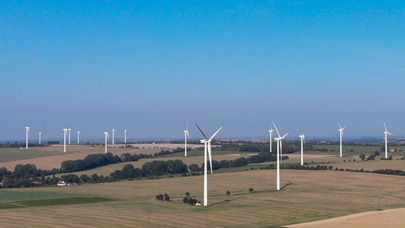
(373, 219)
(313, 195)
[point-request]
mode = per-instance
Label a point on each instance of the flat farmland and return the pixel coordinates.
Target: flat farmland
(312, 195)
(52, 156)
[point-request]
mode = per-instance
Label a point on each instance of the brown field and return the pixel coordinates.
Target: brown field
(388, 218)
(73, 152)
(313, 195)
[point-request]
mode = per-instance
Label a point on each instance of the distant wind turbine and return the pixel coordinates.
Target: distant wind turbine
(39, 137)
(27, 131)
(207, 149)
(271, 140)
(341, 129)
(186, 135)
(64, 140)
(386, 140)
(69, 129)
(302, 148)
(106, 138)
(78, 137)
(125, 136)
(113, 136)
(279, 148)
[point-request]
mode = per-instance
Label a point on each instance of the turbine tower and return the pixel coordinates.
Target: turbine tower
(113, 136)
(125, 136)
(386, 140)
(302, 148)
(341, 129)
(207, 148)
(39, 137)
(279, 148)
(69, 129)
(271, 140)
(64, 140)
(27, 131)
(106, 138)
(186, 135)
(78, 137)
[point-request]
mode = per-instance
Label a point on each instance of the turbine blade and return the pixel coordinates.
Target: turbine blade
(188, 136)
(209, 155)
(202, 132)
(385, 127)
(215, 133)
(340, 125)
(277, 130)
(285, 135)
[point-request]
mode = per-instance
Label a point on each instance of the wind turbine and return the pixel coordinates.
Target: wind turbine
(106, 138)
(69, 129)
(78, 137)
(207, 148)
(341, 129)
(279, 148)
(302, 148)
(64, 140)
(113, 136)
(186, 135)
(125, 136)
(27, 131)
(39, 137)
(386, 140)
(271, 140)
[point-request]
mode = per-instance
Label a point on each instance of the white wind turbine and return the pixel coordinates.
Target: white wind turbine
(125, 136)
(69, 129)
(106, 138)
(113, 136)
(27, 131)
(64, 140)
(279, 148)
(341, 129)
(39, 137)
(302, 148)
(386, 140)
(271, 140)
(78, 137)
(207, 149)
(186, 135)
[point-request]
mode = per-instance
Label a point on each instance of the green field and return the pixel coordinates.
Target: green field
(8, 195)
(353, 150)
(15, 154)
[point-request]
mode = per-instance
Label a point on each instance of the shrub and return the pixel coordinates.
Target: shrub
(228, 193)
(167, 197)
(159, 197)
(251, 190)
(185, 199)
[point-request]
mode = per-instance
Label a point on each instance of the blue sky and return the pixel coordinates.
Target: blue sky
(152, 66)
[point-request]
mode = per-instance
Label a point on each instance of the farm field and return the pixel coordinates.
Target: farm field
(354, 150)
(313, 195)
